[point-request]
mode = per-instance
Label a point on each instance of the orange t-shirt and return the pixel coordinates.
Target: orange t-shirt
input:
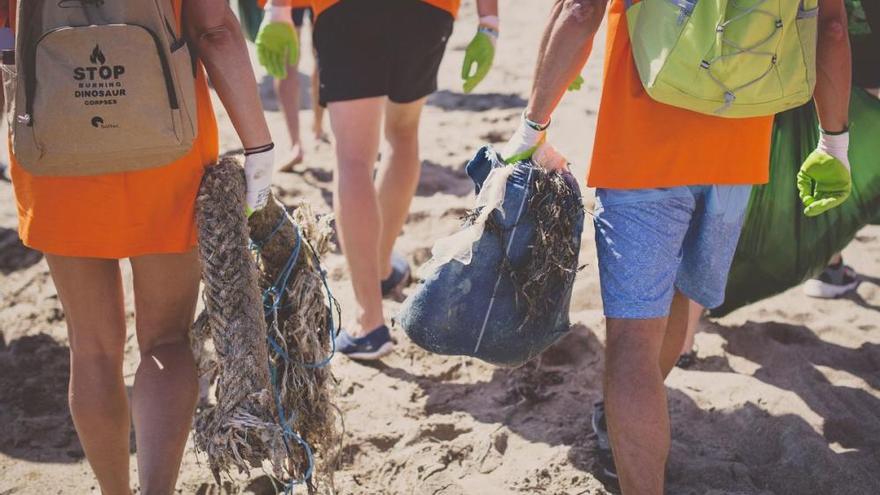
(641, 143)
(119, 215)
(450, 6)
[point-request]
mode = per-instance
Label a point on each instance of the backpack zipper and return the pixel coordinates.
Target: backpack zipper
(31, 87)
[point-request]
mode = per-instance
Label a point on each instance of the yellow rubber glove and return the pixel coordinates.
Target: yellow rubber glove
(277, 43)
(824, 180)
(480, 54)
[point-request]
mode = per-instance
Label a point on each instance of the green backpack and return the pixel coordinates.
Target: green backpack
(729, 58)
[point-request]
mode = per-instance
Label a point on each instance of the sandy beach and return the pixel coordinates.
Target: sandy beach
(784, 399)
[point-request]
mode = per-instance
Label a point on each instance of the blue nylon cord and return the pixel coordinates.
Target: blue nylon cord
(273, 300)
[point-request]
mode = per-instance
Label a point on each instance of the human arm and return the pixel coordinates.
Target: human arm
(480, 52)
(216, 38)
(824, 180)
(565, 48)
(833, 67)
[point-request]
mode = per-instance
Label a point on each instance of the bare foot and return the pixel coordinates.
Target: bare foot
(321, 136)
(297, 153)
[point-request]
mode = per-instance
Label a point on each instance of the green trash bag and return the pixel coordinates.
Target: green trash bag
(250, 15)
(780, 247)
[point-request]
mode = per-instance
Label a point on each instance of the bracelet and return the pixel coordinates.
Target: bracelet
(838, 133)
(536, 126)
(259, 149)
(489, 31)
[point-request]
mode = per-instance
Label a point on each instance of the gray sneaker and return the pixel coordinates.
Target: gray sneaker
(399, 278)
(833, 282)
(600, 428)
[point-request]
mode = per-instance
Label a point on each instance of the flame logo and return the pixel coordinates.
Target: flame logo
(97, 56)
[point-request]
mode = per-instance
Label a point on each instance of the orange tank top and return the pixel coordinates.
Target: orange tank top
(641, 143)
(119, 215)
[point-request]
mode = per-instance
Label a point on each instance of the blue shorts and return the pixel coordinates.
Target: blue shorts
(651, 242)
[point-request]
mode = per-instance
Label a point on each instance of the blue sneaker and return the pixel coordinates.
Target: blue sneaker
(375, 345)
(400, 276)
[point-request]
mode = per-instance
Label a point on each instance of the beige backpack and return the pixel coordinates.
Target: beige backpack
(100, 86)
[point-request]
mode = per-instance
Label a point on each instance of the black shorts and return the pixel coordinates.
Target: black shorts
(374, 48)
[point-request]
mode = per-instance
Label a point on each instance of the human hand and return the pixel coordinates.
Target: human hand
(258, 168)
(480, 54)
(549, 158)
(277, 42)
(525, 141)
(824, 180)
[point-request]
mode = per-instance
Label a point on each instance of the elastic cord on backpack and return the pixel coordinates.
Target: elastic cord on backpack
(730, 93)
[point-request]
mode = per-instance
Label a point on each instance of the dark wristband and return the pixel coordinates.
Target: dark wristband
(838, 133)
(259, 149)
(535, 125)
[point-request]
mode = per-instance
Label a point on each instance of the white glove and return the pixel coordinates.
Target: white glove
(525, 141)
(258, 166)
(836, 145)
(529, 142)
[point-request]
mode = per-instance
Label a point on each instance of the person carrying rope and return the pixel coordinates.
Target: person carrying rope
(85, 224)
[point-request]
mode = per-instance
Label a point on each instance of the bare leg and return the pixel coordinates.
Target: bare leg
(166, 386)
(695, 311)
(635, 401)
(356, 125)
(317, 109)
(92, 296)
(287, 92)
(398, 176)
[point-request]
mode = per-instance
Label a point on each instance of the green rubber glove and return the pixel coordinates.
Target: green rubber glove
(277, 42)
(478, 58)
(824, 180)
(576, 84)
